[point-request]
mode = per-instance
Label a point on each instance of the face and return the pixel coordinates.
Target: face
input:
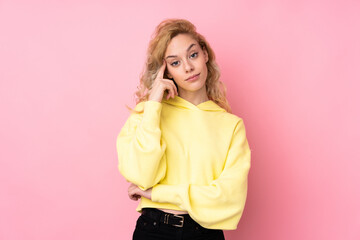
(184, 59)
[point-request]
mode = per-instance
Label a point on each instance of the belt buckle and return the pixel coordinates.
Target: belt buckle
(182, 221)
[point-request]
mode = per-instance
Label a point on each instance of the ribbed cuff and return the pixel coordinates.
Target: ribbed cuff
(168, 193)
(152, 113)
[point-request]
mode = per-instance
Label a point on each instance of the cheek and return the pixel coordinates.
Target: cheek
(205, 71)
(175, 73)
(201, 63)
(203, 66)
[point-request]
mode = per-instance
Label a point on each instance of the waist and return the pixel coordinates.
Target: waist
(147, 203)
(175, 220)
(173, 211)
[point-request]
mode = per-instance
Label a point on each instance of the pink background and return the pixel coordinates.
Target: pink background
(67, 69)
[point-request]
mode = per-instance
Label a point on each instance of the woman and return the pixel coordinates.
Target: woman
(186, 155)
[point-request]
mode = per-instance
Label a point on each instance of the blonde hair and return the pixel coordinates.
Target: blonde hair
(164, 32)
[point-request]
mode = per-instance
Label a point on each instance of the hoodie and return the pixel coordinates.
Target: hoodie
(196, 158)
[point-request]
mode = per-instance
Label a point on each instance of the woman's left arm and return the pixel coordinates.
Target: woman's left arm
(220, 204)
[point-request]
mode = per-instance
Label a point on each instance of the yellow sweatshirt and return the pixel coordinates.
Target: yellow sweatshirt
(194, 157)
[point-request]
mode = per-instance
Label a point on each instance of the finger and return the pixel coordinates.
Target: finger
(130, 188)
(134, 197)
(133, 188)
(136, 191)
(161, 70)
(131, 192)
(173, 88)
(173, 85)
(131, 197)
(172, 92)
(170, 85)
(170, 88)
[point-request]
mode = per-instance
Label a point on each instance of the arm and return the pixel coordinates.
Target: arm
(140, 149)
(220, 204)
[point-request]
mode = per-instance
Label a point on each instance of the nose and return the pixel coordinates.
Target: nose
(188, 67)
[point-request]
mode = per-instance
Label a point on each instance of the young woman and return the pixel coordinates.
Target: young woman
(186, 155)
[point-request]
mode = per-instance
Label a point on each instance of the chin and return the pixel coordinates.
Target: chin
(195, 87)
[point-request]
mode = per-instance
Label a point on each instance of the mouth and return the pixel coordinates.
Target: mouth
(192, 77)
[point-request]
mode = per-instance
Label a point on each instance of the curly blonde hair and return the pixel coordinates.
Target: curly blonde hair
(164, 32)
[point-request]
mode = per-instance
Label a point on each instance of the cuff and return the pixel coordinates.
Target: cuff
(168, 193)
(152, 113)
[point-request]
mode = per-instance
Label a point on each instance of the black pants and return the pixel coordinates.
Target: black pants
(151, 225)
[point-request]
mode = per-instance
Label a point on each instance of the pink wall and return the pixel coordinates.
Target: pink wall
(68, 67)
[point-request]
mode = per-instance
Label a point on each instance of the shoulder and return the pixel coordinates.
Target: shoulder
(232, 118)
(235, 125)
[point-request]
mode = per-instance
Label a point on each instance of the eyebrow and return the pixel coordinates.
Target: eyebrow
(186, 50)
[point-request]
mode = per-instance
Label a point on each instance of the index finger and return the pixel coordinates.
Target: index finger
(161, 70)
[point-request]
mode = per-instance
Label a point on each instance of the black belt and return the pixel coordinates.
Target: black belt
(176, 220)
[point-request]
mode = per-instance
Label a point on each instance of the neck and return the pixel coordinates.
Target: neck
(194, 97)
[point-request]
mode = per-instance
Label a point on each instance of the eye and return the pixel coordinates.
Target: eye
(194, 55)
(174, 63)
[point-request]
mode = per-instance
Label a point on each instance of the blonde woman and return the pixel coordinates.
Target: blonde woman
(183, 151)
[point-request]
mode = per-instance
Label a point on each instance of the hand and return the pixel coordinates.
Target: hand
(135, 192)
(160, 85)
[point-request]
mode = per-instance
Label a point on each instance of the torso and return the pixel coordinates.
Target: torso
(173, 211)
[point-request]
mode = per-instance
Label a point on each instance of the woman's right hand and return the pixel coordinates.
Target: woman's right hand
(160, 85)
(135, 193)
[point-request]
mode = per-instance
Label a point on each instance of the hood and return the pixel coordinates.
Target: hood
(205, 106)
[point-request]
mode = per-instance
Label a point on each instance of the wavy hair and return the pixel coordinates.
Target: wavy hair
(164, 32)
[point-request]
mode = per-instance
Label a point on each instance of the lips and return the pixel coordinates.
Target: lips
(195, 75)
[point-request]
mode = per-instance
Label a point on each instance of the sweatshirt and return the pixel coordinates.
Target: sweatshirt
(196, 158)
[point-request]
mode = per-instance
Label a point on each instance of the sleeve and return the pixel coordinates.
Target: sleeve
(140, 148)
(220, 204)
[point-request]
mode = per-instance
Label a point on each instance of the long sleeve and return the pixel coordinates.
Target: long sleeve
(220, 204)
(140, 148)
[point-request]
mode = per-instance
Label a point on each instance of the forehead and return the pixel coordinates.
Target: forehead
(179, 44)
